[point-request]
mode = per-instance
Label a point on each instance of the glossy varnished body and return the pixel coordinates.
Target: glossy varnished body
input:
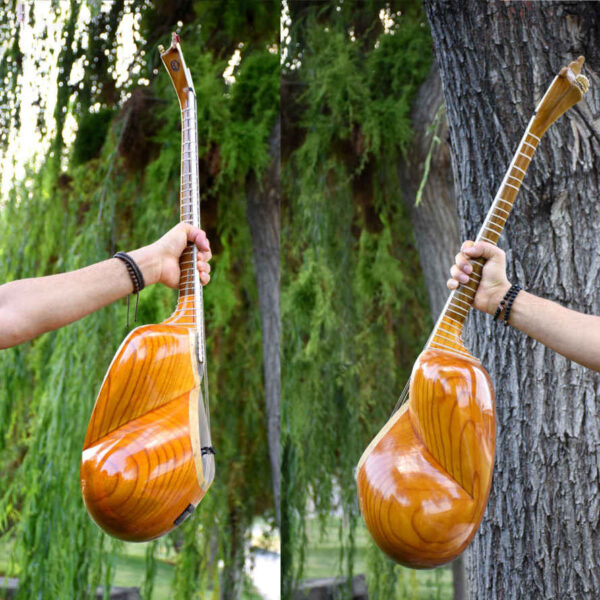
(141, 464)
(147, 458)
(424, 481)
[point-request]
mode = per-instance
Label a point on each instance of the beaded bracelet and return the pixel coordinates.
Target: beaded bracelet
(137, 279)
(515, 290)
(507, 302)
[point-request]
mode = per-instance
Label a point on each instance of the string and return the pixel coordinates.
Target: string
(403, 396)
(453, 305)
(190, 212)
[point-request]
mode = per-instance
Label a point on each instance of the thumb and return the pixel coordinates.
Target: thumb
(481, 249)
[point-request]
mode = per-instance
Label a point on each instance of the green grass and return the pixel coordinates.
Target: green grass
(130, 567)
(323, 560)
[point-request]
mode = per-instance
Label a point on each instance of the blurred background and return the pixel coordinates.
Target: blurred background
(90, 157)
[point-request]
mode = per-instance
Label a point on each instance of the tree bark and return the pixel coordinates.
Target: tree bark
(435, 221)
(540, 535)
(263, 218)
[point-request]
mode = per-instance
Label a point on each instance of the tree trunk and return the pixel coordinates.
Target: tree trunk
(434, 220)
(232, 575)
(540, 536)
(263, 218)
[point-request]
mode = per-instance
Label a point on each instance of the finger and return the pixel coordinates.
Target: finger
(458, 275)
(483, 249)
(467, 244)
(462, 262)
(203, 267)
(451, 284)
(205, 256)
(198, 236)
(204, 278)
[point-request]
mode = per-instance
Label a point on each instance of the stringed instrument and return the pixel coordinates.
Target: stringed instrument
(147, 457)
(424, 480)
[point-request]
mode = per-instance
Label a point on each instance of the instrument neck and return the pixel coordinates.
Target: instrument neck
(190, 307)
(446, 334)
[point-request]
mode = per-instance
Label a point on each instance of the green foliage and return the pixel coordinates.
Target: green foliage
(11, 62)
(56, 222)
(351, 277)
(91, 135)
(253, 21)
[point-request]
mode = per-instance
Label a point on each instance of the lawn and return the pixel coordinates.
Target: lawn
(130, 568)
(323, 560)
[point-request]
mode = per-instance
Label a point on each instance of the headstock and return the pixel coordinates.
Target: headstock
(566, 90)
(180, 75)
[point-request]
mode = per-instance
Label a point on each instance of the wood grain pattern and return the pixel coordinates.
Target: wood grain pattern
(174, 64)
(141, 465)
(424, 481)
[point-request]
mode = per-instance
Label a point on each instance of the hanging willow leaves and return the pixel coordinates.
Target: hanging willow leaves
(353, 299)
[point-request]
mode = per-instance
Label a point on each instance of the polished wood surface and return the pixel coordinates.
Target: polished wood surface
(141, 465)
(175, 65)
(423, 483)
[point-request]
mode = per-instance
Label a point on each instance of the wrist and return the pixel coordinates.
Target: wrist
(496, 296)
(148, 262)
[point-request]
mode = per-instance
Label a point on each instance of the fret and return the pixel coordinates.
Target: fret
(519, 181)
(496, 226)
(451, 319)
(467, 304)
(519, 169)
(514, 187)
(461, 311)
(525, 155)
(453, 333)
(505, 202)
(528, 144)
(487, 240)
(535, 137)
(466, 286)
(460, 316)
(501, 210)
(458, 291)
(451, 340)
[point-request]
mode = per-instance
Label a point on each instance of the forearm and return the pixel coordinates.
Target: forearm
(574, 335)
(30, 307)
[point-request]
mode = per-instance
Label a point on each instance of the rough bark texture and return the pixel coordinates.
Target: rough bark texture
(263, 218)
(435, 221)
(540, 536)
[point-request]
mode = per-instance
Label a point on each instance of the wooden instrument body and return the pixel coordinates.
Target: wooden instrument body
(424, 481)
(142, 466)
(147, 458)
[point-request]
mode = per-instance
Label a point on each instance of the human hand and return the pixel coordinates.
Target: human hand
(494, 283)
(160, 261)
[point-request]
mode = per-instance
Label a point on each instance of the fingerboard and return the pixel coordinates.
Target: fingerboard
(446, 334)
(190, 306)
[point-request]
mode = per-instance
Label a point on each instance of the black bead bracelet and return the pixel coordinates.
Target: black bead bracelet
(507, 302)
(137, 279)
